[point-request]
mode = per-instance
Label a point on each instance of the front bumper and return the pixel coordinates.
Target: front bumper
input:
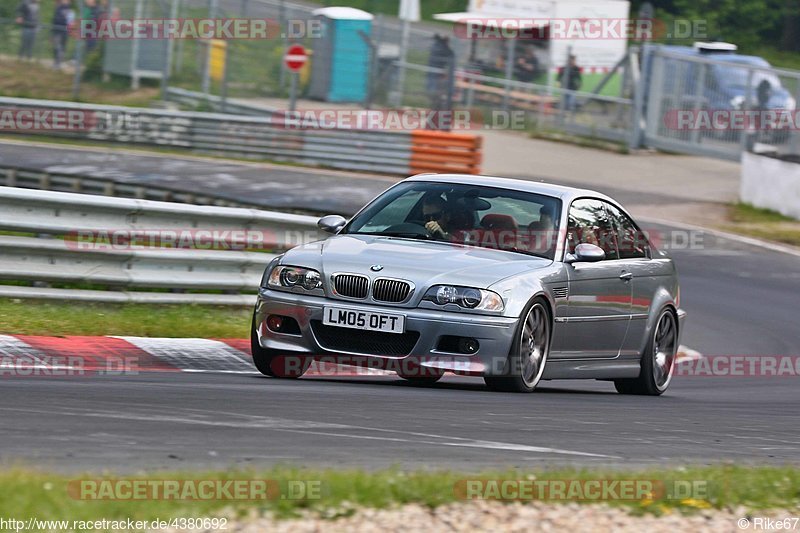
(495, 335)
(681, 323)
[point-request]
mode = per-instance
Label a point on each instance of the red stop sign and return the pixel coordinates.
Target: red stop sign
(295, 57)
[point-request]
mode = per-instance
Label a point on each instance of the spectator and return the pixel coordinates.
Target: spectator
(60, 31)
(102, 10)
(527, 66)
(440, 58)
(90, 13)
(28, 18)
(570, 78)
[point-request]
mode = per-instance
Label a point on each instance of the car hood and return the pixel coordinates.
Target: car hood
(423, 263)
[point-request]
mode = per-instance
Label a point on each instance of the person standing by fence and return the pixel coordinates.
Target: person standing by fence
(90, 13)
(28, 18)
(440, 58)
(60, 31)
(569, 77)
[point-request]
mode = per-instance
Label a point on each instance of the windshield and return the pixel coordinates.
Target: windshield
(736, 76)
(486, 217)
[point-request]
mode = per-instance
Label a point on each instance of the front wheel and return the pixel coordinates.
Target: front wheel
(529, 352)
(657, 361)
(275, 364)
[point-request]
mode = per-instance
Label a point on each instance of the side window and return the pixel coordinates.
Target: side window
(588, 223)
(632, 242)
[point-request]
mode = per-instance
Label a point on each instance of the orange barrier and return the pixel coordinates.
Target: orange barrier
(441, 151)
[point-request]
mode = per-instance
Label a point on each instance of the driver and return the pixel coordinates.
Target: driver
(437, 217)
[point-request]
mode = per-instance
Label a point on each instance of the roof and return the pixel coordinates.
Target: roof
(725, 57)
(714, 47)
(537, 187)
(342, 13)
(490, 20)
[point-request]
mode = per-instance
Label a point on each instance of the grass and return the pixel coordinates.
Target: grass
(742, 212)
(34, 317)
(40, 81)
(761, 223)
(26, 493)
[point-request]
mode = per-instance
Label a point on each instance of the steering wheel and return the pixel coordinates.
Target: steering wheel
(415, 227)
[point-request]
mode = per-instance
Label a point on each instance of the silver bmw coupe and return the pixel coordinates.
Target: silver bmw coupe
(513, 281)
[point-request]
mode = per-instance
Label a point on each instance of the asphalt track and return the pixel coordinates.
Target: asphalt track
(264, 185)
(741, 300)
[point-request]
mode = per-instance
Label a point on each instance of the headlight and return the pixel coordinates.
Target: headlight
(737, 102)
(791, 103)
(288, 277)
(466, 297)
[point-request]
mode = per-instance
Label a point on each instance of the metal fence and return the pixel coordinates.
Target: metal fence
(43, 48)
(628, 108)
(74, 246)
(255, 71)
(497, 103)
(693, 103)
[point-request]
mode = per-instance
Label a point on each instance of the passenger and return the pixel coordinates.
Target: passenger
(542, 231)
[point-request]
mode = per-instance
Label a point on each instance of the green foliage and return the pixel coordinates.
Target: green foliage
(33, 317)
(25, 493)
(750, 24)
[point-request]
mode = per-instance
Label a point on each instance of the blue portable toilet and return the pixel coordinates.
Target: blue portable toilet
(341, 60)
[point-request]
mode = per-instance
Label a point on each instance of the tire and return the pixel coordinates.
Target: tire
(529, 351)
(272, 363)
(658, 359)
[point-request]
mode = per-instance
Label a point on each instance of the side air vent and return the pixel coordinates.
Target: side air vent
(560, 292)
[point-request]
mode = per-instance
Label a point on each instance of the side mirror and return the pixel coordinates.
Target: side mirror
(586, 253)
(331, 224)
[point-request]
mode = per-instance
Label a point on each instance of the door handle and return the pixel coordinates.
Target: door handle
(626, 276)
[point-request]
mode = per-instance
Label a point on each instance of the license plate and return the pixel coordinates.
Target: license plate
(351, 318)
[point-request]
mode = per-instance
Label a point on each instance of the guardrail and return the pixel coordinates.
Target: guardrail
(272, 138)
(195, 99)
(119, 244)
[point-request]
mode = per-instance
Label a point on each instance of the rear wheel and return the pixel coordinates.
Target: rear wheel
(529, 352)
(276, 364)
(657, 361)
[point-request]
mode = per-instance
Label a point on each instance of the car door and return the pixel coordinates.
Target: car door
(635, 255)
(599, 300)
